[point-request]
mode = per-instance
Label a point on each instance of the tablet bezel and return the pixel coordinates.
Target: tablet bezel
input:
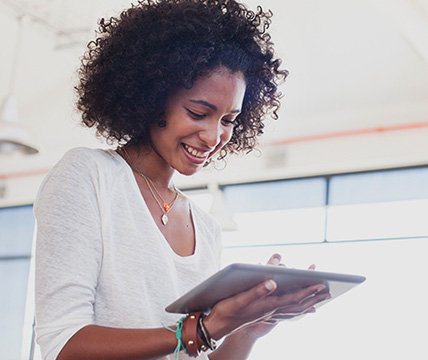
(239, 277)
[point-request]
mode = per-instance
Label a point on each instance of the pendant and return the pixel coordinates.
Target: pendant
(164, 219)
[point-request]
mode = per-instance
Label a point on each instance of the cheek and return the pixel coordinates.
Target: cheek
(227, 135)
(225, 138)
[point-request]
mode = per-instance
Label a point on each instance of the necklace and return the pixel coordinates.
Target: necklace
(164, 206)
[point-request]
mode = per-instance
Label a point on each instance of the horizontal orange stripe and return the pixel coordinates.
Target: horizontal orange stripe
(349, 133)
(278, 142)
(24, 174)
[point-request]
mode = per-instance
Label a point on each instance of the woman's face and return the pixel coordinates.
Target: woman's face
(199, 121)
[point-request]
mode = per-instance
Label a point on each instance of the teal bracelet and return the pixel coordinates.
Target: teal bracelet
(178, 334)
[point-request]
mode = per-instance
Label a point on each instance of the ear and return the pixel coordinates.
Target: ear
(162, 123)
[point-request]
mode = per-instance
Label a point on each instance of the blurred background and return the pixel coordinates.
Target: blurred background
(340, 180)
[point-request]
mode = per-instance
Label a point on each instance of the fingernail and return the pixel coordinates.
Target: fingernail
(319, 289)
(270, 285)
(275, 261)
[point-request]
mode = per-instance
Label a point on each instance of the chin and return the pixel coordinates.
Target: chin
(190, 171)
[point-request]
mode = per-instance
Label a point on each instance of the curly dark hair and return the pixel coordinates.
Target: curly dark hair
(140, 57)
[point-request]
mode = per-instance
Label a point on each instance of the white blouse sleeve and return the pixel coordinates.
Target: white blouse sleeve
(68, 251)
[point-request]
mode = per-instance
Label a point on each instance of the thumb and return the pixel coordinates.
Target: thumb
(275, 259)
(261, 290)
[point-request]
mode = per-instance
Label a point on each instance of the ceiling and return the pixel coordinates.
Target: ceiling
(353, 65)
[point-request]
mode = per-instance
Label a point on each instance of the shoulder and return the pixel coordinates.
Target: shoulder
(81, 162)
(81, 169)
(87, 157)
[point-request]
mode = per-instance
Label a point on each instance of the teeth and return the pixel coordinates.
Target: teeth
(195, 152)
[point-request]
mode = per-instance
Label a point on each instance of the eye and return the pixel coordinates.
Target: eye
(227, 122)
(195, 115)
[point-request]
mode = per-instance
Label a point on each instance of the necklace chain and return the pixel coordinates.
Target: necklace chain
(166, 207)
(155, 193)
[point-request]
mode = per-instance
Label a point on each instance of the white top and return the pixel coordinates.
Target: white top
(100, 257)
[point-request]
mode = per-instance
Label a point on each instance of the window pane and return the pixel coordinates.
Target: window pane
(396, 185)
(387, 313)
(16, 231)
(398, 219)
(13, 282)
(276, 195)
(277, 227)
(16, 235)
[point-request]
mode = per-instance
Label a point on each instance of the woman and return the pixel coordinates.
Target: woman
(174, 83)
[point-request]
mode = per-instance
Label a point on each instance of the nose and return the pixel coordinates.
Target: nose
(212, 133)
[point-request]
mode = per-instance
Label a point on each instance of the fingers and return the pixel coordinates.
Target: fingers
(278, 317)
(240, 310)
(275, 259)
(305, 305)
(259, 291)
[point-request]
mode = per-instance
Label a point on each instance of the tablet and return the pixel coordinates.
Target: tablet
(237, 277)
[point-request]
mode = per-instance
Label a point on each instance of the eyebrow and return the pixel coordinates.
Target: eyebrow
(211, 106)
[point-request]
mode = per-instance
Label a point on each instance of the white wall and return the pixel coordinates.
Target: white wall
(345, 77)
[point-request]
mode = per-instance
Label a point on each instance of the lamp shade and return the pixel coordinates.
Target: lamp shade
(14, 139)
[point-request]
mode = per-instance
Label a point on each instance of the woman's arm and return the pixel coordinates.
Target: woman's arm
(246, 311)
(99, 342)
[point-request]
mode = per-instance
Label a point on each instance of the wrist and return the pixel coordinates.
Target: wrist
(240, 340)
(249, 333)
(215, 327)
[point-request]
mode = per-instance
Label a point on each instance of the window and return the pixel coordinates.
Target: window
(340, 223)
(16, 224)
(373, 224)
(378, 205)
(278, 212)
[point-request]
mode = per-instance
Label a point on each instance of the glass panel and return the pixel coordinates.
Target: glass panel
(396, 185)
(13, 283)
(16, 231)
(384, 318)
(397, 219)
(277, 227)
(276, 195)
(16, 235)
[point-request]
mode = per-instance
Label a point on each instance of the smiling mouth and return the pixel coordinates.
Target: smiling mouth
(195, 152)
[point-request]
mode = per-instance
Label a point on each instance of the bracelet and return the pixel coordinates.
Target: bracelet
(191, 339)
(178, 334)
(206, 337)
(192, 336)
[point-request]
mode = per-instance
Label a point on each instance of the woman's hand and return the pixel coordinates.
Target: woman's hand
(264, 326)
(257, 313)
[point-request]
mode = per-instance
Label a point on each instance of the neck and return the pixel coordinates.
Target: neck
(144, 160)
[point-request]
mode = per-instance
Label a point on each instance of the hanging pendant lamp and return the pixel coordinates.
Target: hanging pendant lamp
(14, 139)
